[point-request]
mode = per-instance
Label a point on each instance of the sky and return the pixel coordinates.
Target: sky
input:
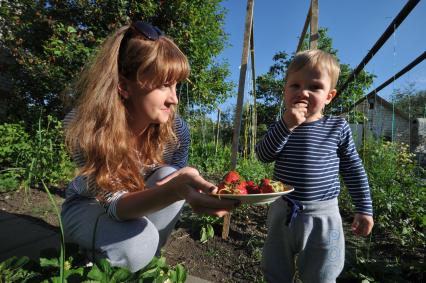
(354, 27)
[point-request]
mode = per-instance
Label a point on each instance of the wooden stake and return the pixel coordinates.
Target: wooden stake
(305, 28)
(254, 113)
(313, 38)
(240, 100)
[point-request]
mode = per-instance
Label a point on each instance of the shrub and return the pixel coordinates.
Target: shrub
(32, 157)
(397, 189)
(211, 163)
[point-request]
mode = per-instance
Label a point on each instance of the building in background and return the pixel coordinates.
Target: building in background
(384, 121)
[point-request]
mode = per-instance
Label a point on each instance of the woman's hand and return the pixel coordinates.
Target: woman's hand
(187, 183)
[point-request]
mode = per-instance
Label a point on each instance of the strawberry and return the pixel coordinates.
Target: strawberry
(231, 177)
(224, 188)
(241, 188)
(252, 188)
(265, 186)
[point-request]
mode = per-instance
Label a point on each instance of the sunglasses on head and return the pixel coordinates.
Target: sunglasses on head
(145, 29)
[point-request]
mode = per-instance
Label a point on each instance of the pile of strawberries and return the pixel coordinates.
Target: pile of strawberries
(233, 184)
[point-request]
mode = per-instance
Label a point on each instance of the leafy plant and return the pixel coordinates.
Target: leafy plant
(9, 179)
(210, 162)
(24, 270)
(48, 160)
(16, 270)
(204, 224)
(398, 191)
(254, 170)
(34, 157)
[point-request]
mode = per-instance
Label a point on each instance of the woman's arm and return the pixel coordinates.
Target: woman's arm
(182, 184)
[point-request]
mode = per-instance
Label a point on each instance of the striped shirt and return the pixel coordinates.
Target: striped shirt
(174, 154)
(311, 157)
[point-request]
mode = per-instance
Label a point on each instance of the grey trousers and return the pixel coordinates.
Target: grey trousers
(312, 245)
(130, 244)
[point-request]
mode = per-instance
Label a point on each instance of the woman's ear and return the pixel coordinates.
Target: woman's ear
(123, 88)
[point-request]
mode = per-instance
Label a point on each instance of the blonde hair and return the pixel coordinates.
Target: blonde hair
(100, 129)
(316, 58)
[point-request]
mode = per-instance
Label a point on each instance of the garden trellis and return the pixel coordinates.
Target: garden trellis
(312, 23)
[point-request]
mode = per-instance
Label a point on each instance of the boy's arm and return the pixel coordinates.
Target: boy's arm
(353, 173)
(273, 142)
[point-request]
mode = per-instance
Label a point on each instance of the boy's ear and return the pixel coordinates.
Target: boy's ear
(122, 88)
(330, 96)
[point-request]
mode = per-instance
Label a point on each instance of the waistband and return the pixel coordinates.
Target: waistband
(316, 207)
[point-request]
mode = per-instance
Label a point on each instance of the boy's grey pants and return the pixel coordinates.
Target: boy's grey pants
(313, 244)
(130, 244)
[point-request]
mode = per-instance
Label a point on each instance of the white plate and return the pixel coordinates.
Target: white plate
(255, 198)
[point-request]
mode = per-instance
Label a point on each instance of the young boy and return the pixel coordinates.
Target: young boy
(310, 150)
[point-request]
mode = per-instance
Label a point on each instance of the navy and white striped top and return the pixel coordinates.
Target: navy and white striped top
(311, 157)
(175, 154)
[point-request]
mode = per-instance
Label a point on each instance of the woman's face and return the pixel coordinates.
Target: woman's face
(154, 107)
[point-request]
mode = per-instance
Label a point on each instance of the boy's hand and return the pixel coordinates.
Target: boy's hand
(362, 224)
(295, 115)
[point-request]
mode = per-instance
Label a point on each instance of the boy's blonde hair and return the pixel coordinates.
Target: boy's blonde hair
(100, 130)
(316, 59)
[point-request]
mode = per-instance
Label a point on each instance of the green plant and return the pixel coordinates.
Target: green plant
(16, 270)
(24, 270)
(204, 224)
(61, 261)
(15, 142)
(9, 179)
(34, 157)
(398, 191)
(254, 170)
(210, 162)
(48, 160)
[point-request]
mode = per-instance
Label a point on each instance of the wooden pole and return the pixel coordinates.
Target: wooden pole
(313, 38)
(254, 113)
(240, 100)
(217, 131)
(305, 28)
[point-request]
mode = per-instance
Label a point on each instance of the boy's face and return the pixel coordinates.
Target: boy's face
(309, 88)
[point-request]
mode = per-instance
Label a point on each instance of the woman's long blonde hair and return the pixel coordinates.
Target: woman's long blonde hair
(100, 130)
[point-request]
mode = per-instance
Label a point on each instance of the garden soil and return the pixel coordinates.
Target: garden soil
(235, 259)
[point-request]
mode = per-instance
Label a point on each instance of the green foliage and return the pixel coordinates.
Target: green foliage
(398, 191)
(9, 180)
(33, 157)
(14, 140)
(210, 162)
(48, 160)
(254, 170)
(410, 101)
(23, 270)
(16, 270)
(204, 224)
(48, 42)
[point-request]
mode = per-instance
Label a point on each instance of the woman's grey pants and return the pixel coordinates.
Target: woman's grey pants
(130, 244)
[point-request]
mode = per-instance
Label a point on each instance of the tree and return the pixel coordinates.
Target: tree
(269, 87)
(410, 101)
(49, 41)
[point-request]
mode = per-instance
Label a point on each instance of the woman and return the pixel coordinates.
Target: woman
(131, 150)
